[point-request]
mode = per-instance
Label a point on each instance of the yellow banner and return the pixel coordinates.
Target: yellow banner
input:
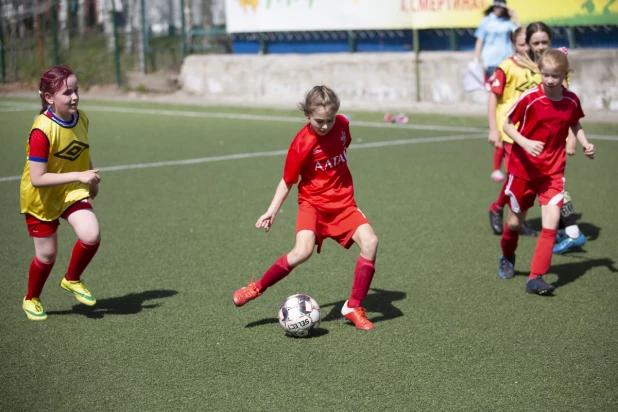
(428, 14)
(315, 15)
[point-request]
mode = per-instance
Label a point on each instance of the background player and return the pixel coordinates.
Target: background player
(327, 209)
(513, 76)
(58, 181)
(536, 165)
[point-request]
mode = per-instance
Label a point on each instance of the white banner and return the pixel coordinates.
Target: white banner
(244, 16)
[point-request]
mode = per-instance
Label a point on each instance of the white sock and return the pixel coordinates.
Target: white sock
(572, 231)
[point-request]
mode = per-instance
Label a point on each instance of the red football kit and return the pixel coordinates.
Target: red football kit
(542, 119)
(325, 191)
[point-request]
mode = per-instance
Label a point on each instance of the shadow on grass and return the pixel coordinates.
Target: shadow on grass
(588, 229)
(124, 305)
(380, 301)
(570, 272)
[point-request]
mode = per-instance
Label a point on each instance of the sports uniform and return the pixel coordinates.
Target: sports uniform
(326, 207)
(326, 204)
(508, 83)
(546, 120)
(64, 147)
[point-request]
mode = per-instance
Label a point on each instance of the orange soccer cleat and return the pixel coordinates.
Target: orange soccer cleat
(357, 316)
(244, 295)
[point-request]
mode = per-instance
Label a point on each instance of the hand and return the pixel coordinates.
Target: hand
(534, 147)
(589, 150)
(265, 221)
(94, 190)
(512, 13)
(494, 138)
(571, 146)
(89, 177)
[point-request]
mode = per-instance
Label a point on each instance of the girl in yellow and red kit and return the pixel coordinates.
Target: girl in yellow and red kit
(327, 209)
(58, 181)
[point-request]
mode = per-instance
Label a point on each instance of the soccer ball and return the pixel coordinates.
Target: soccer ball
(299, 315)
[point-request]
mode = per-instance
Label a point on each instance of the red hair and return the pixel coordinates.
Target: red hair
(51, 81)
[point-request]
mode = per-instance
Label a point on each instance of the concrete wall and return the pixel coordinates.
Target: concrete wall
(374, 81)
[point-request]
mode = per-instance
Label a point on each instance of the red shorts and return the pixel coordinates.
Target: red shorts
(339, 226)
(41, 228)
(522, 192)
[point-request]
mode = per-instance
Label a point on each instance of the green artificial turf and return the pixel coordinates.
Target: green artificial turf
(179, 239)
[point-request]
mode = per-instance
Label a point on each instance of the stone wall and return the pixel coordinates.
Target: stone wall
(374, 81)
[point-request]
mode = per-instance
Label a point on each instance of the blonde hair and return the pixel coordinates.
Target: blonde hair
(556, 59)
(319, 96)
(523, 58)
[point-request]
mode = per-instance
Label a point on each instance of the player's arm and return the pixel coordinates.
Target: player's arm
(533, 147)
(494, 135)
(579, 133)
(478, 46)
(38, 155)
(94, 187)
(267, 219)
(40, 178)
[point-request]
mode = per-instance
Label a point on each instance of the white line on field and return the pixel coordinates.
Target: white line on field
(22, 106)
(273, 153)
(243, 116)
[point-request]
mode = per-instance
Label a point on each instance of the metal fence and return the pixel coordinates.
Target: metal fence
(105, 39)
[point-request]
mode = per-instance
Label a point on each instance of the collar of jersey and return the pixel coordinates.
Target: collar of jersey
(70, 123)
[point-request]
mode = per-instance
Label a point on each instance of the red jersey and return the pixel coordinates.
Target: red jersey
(322, 164)
(543, 119)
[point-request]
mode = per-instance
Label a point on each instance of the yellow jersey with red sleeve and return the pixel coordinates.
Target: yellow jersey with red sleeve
(64, 147)
(509, 82)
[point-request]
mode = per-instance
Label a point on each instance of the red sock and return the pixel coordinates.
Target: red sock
(80, 258)
(37, 276)
(498, 154)
(280, 269)
(541, 261)
(363, 274)
(509, 240)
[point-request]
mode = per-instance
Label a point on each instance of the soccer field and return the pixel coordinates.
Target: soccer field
(182, 188)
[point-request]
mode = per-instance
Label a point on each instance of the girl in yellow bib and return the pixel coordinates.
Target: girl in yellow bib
(513, 76)
(58, 181)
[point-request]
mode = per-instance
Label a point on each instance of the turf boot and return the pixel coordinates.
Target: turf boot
(495, 221)
(539, 286)
(357, 316)
(244, 295)
(34, 309)
(506, 267)
(78, 289)
(568, 242)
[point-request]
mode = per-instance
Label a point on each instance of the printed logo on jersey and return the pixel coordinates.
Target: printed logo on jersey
(343, 137)
(316, 151)
(528, 84)
(496, 83)
(332, 163)
(72, 151)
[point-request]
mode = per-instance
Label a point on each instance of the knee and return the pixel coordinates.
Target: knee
(370, 246)
(299, 255)
(513, 222)
(47, 255)
(91, 237)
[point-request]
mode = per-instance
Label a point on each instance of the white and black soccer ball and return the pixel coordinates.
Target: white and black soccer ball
(299, 315)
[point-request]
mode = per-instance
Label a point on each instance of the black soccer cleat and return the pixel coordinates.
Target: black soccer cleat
(539, 286)
(495, 221)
